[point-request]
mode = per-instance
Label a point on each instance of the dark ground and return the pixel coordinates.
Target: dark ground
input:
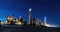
(15, 28)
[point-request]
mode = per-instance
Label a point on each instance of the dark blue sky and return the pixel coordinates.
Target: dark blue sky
(40, 8)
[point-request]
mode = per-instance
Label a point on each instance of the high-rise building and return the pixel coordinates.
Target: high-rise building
(32, 21)
(45, 21)
(38, 22)
(30, 14)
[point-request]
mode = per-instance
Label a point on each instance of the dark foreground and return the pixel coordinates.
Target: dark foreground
(15, 28)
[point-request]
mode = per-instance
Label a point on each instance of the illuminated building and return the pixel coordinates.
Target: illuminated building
(30, 15)
(21, 20)
(1, 23)
(18, 22)
(25, 23)
(38, 22)
(32, 21)
(9, 20)
(45, 21)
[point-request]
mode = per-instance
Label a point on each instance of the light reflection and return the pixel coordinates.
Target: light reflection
(48, 25)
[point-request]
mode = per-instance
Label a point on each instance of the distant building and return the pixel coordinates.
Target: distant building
(17, 22)
(30, 14)
(38, 22)
(25, 23)
(32, 21)
(1, 23)
(10, 20)
(21, 20)
(45, 21)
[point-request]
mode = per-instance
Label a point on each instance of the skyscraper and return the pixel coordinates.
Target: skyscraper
(32, 21)
(30, 14)
(38, 22)
(45, 21)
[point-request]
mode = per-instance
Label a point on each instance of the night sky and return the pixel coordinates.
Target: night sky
(40, 8)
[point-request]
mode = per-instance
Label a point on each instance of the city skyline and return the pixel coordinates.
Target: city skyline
(39, 20)
(40, 8)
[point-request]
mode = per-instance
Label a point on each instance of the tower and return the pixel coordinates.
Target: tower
(30, 14)
(45, 21)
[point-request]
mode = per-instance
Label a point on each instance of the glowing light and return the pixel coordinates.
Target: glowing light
(30, 9)
(19, 23)
(48, 25)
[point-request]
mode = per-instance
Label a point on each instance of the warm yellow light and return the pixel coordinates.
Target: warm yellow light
(2, 23)
(18, 23)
